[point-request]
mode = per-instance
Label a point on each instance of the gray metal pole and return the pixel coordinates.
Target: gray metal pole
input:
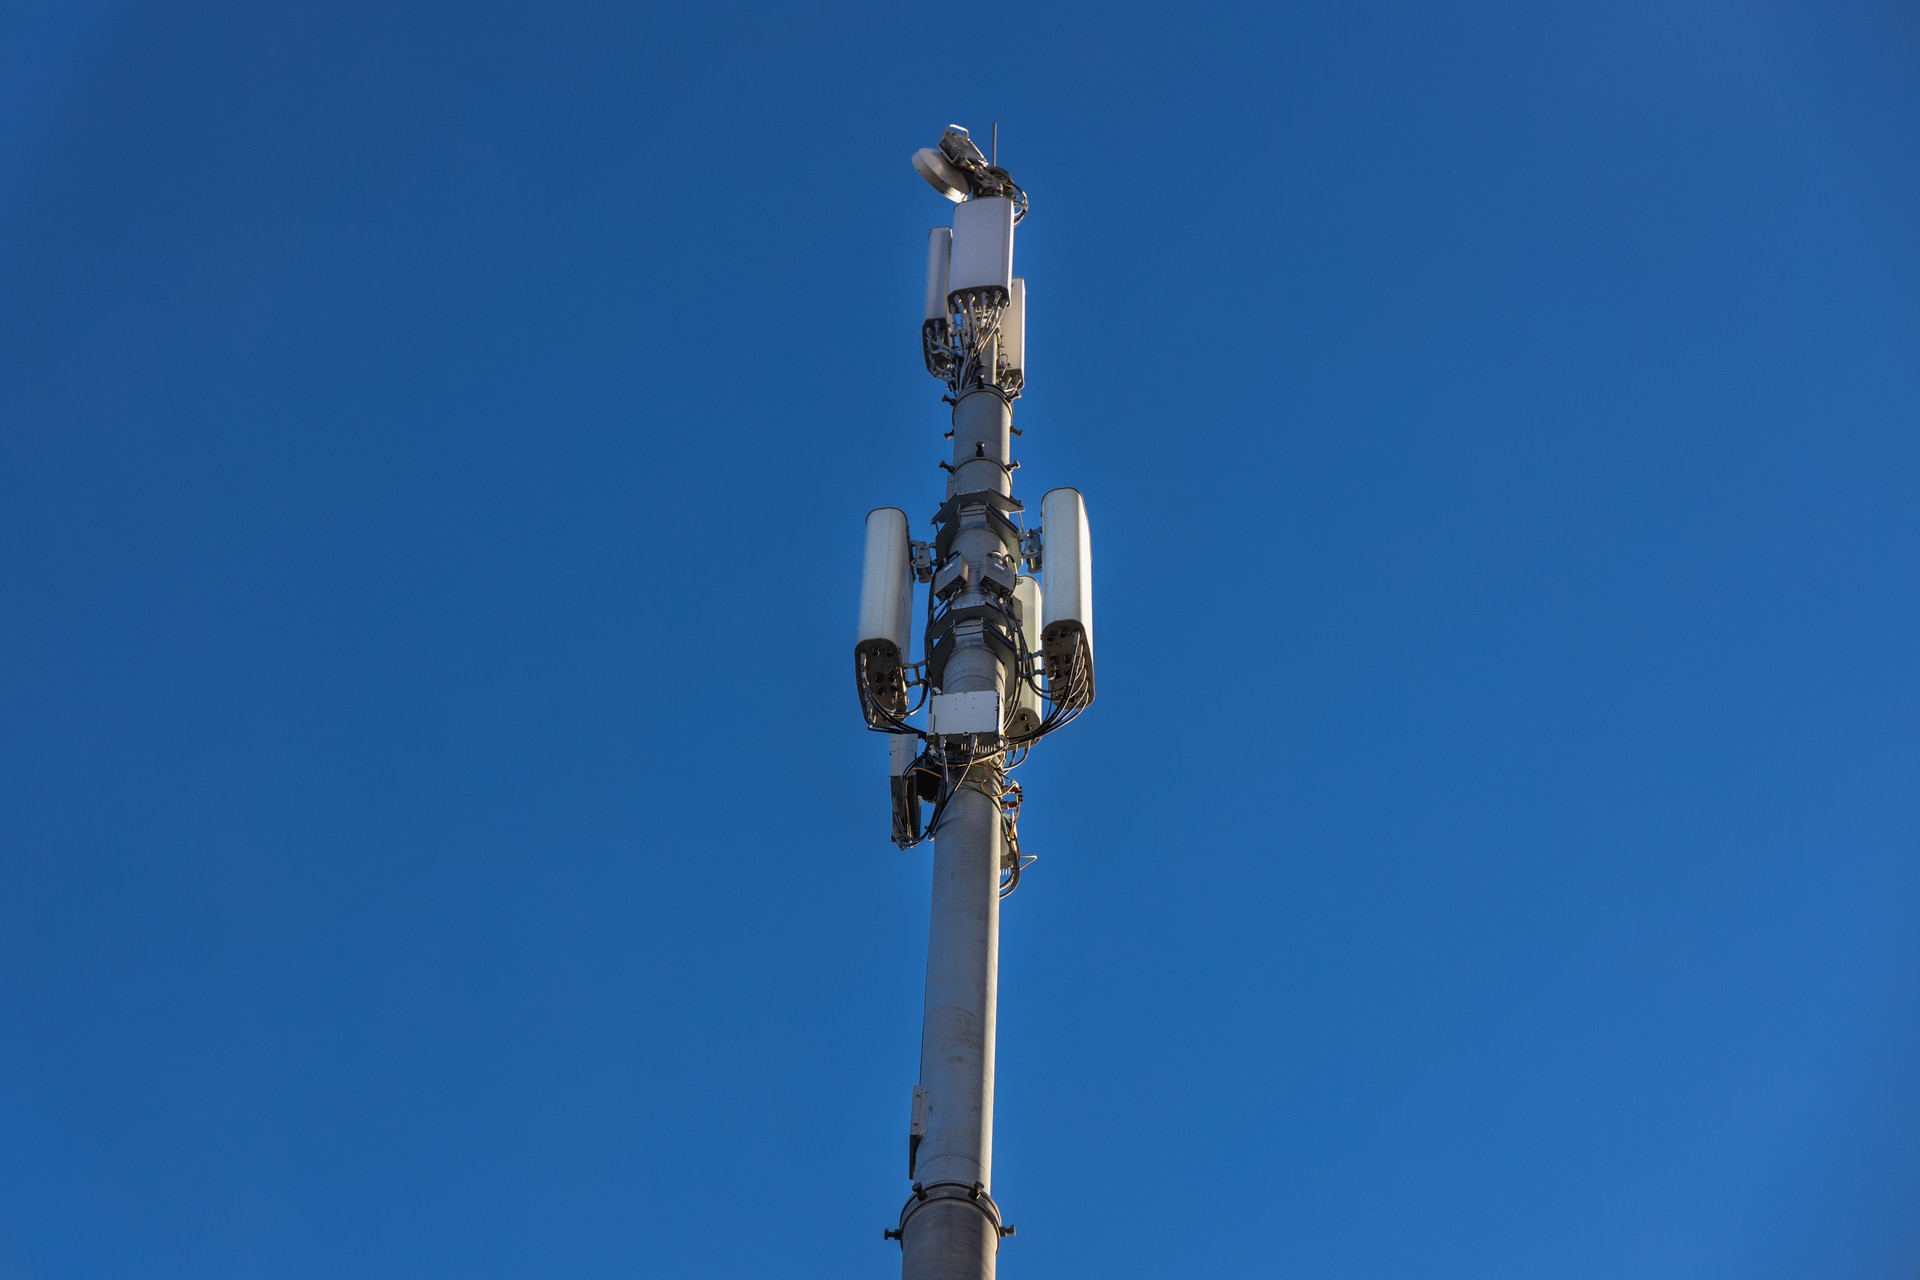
(991, 637)
(950, 1227)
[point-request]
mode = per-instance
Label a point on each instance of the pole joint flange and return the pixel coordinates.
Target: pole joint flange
(973, 1195)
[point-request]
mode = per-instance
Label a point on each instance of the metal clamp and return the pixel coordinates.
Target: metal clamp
(1030, 549)
(974, 1195)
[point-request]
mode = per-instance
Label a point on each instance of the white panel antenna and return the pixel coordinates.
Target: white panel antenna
(1013, 339)
(886, 615)
(1025, 716)
(939, 254)
(982, 246)
(1066, 567)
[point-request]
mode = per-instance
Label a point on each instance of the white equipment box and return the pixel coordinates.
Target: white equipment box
(964, 713)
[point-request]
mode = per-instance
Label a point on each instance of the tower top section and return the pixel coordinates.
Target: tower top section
(958, 171)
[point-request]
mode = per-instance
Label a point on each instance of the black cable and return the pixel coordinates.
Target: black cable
(1065, 710)
(947, 794)
(867, 701)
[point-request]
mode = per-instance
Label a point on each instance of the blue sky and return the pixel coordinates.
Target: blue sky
(438, 837)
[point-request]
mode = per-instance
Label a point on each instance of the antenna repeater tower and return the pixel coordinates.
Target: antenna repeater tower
(1024, 595)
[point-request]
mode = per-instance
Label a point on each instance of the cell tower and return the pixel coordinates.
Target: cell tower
(1007, 658)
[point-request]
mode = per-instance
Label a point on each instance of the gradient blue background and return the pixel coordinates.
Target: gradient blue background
(438, 837)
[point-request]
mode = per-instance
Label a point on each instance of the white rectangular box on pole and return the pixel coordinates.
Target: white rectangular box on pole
(964, 713)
